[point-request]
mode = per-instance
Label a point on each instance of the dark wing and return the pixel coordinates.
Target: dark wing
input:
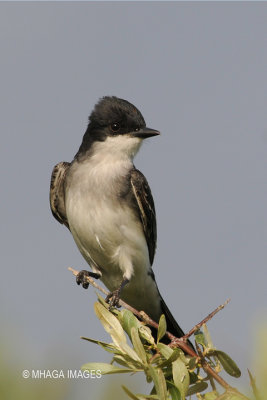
(146, 209)
(57, 193)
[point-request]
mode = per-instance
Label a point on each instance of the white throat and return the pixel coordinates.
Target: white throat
(116, 148)
(108, 162)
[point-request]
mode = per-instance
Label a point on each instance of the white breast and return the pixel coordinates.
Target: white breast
(107, 231)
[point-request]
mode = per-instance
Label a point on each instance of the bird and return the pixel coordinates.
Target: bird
(107, 205)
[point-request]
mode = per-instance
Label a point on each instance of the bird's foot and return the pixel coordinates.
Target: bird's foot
(113, 299)
(81, 277)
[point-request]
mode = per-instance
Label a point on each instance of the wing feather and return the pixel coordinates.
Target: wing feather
(57, 192)
(146, 209)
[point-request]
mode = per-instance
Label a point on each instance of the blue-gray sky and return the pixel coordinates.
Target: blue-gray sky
(197, 72)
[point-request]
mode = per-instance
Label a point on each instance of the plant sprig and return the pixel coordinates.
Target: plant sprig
(174, 374)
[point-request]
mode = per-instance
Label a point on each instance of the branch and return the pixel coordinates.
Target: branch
(205, 320)
(104, 291)
(175, 342)
(140, 314)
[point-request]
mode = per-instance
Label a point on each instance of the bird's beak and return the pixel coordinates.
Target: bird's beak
(145, 133)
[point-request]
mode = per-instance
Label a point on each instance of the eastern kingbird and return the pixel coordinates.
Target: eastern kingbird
(107, 205)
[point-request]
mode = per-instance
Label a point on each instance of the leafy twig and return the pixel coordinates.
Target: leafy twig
(175, 342)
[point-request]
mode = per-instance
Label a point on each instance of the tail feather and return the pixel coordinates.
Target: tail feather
(172, 325)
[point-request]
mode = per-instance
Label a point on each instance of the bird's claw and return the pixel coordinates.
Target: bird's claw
(113, 299)
(81, 278)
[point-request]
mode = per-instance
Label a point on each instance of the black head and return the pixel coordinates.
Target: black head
(113, 116)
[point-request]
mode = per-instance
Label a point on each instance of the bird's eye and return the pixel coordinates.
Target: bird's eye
(137, 129)
(115, 127)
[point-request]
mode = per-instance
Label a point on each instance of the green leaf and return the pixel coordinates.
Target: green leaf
(159, 381)
(128, 321)
(174, 392)
(192, 363)
(175, 354)
(110, 324)
(193, 377)
(200, 338)
(109, 347)
(123, 349)
(197, 388)
(138, 345)
(99, 342)
(121, 360)
(162, 327)
(145, 333)
(114, 350)
(105, 368)
(126, 349)
(163, 385)
(165, 350)
(126, 361)
(228, 364)
(208, 341)
(102, 301)
(180, 377)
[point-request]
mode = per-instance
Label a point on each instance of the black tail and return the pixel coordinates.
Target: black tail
(172, 325)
